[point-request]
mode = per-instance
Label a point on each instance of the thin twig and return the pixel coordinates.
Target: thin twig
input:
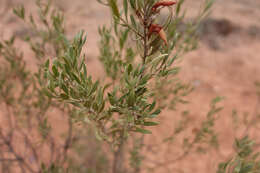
(17, 156)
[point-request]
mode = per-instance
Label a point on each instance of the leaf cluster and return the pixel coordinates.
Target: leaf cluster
(245, 159)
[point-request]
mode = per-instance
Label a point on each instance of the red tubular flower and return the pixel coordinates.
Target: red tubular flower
(154, 28)
(162, 4)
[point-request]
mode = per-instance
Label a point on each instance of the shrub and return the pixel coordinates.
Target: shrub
(140, 69)
(106, 121)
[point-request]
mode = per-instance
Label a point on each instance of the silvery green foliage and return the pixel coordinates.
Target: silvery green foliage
(139, 53)
(69, 82)
(245, 160)
(126, 104)
(26, 105)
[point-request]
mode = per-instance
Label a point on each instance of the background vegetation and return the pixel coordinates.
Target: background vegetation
(105, 123)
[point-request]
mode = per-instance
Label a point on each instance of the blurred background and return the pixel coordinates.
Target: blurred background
(226, 63)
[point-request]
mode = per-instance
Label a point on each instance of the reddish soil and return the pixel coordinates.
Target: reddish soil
(225, 64)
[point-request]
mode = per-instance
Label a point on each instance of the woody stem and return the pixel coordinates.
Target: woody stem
(145, 36)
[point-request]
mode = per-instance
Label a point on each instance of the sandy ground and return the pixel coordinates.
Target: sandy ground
(223, 65)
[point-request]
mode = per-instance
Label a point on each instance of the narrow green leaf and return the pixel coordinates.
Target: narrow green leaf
(129, 68)
(47, 93)
(143, 131)
(178, 8)
(131, 98)
(152, 106)
(149, 123)
(47, 63)
(114, 8)
(94, 88)
(155, 113)
(55, 71)
(75, 77)
(217, 100)
(19, 11)
(132, 3)
(64, 88)
(133, 21)
(126, 9)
